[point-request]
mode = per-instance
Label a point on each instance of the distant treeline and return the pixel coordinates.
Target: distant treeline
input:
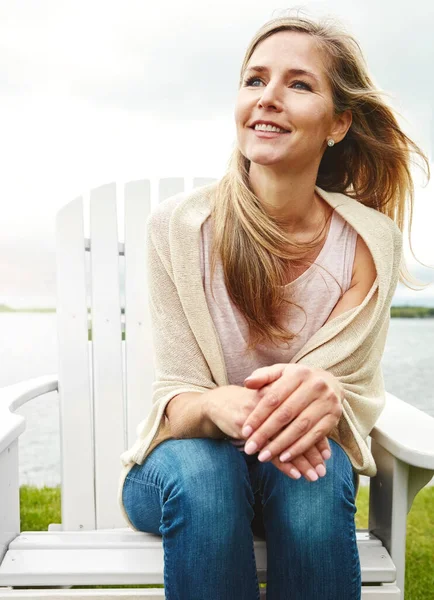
(401, 312)
(412, 312)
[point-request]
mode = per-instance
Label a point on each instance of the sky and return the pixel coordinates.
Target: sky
(99, 91)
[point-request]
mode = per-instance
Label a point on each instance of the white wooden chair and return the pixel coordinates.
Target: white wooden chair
(104, 387)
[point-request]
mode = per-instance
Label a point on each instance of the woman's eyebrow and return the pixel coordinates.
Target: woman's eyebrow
(260, 69)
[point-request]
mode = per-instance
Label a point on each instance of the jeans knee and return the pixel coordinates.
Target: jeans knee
(309, 525)
(315, 512)
(209, 475)
(197, 460)
(209, 488)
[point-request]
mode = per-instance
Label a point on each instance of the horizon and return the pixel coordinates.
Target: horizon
(41, 303)
(403, 295)
(28, 273)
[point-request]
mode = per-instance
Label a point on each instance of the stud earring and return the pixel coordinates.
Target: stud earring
(330, 142)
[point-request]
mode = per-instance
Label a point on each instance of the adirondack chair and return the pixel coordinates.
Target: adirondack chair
(104, 388)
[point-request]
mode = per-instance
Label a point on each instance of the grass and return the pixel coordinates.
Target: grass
(41, 506)
(8, 309)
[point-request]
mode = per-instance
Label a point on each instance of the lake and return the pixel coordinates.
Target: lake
(29, 350)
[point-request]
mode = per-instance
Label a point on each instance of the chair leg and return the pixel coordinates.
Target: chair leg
(391, 495)
(9, 497)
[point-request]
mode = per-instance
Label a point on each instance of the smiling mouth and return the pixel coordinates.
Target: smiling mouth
(262, 131)
(267, 131)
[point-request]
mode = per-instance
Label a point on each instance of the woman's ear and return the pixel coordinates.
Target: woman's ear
(341, 125)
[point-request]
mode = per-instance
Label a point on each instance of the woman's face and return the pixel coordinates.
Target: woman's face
(299, 103)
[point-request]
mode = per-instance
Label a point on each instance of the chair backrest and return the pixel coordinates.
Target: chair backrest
(104, 382)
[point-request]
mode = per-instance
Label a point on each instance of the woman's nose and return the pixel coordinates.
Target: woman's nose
(271, 96)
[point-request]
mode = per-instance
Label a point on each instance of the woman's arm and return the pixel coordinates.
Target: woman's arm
(182, 375)
(188, 418)
(363, 277)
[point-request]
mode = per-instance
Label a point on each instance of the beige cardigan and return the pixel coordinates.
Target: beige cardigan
(188, 355)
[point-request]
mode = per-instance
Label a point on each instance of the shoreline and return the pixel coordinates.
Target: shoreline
(404, 311)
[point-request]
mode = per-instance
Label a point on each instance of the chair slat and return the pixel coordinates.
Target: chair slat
(87, 594)
(98, 565)
(139, 363)
(106, 354)
(121, 538)
(200, 181)
(78, 499)
(169, 186)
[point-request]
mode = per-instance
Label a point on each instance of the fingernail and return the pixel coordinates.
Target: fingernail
(249, 378)
(320, 469)
(250, 448)
(264, 456)
(285, 456)
(312, 475)
(326, 454)
(247, 431)
(295, 473)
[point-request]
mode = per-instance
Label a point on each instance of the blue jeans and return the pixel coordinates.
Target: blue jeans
(207, 499)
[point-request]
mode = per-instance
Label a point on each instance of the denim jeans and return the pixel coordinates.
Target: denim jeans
(207, 499)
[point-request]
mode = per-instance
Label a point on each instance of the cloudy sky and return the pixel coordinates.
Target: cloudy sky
(99, 91)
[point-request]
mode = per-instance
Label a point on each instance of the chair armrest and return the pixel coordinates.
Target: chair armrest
(14, 396)
(406, 432)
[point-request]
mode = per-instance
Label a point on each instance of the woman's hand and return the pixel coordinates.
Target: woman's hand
(310, 465)
(229, 406)
(298, 403)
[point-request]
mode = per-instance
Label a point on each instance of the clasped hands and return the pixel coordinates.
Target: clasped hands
(298, 406)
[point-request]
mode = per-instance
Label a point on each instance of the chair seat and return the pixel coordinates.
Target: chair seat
(123, 556)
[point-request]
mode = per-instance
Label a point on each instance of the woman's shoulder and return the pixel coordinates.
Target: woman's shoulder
(366, 220)
(159, 217)
(378, 235)
(373, 213)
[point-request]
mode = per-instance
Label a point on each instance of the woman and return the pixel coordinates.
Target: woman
(287, 275)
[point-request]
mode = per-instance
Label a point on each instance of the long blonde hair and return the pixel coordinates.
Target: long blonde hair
(371, 164)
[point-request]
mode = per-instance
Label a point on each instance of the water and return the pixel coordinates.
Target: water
(29, 350)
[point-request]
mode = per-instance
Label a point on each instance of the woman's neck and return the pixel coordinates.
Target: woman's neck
(291, 199)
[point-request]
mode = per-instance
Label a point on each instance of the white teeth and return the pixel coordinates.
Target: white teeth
(264, 127)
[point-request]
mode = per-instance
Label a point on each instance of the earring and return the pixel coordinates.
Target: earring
(330, 142)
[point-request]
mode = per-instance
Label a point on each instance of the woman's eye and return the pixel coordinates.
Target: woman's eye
(306, 85)
(251, 80)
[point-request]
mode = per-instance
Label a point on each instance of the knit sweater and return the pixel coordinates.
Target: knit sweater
(188, 356)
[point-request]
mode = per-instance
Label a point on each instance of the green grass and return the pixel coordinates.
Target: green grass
(41, 506)
(6, 308)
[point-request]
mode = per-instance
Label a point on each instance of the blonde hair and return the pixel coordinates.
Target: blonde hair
(371, 164)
